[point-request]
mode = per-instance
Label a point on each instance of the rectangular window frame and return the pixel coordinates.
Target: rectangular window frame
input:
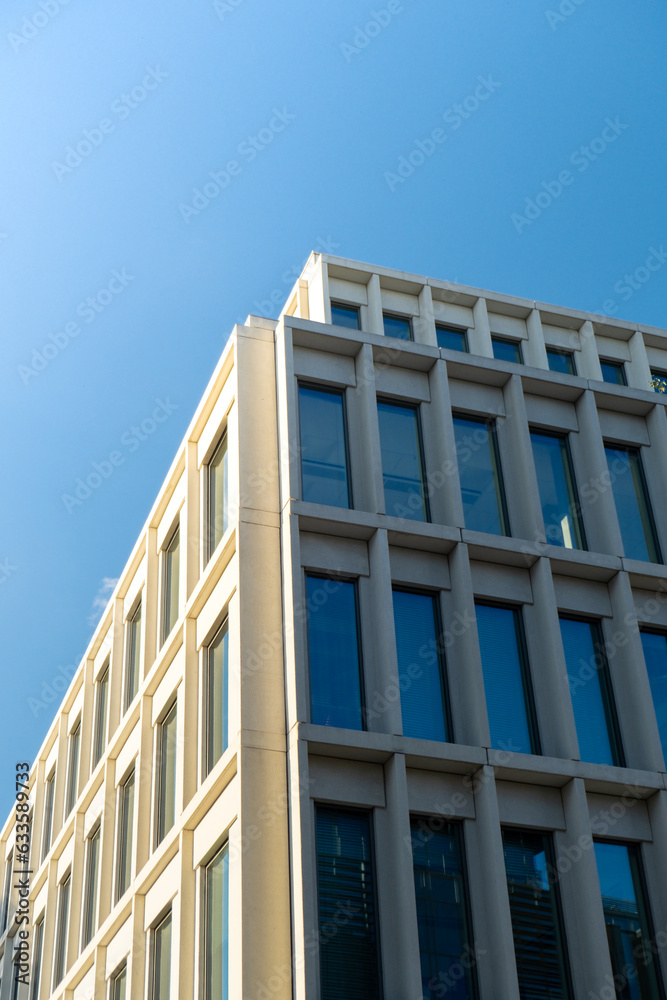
(416, 408)
(160, 825)
(574, 507)
(100, 718)
(221, 850)
(211, 539)
(132, 672)
(61, 935)
(524, 668)
(389, 314)
(207, 762)
(124, 836)
(91, 885)
(155, 929)
(47, 819)
(660, 376)
(449, 328)
(662, 725)
(654, 541)
(516, 344)
(7, 891)
(342, 393)
(562, 353)
(606, 689)
(73, 761)
(37, 948)
(118, 982)
(168, 581)
(618, 366)
(490, 424)
(348, 306)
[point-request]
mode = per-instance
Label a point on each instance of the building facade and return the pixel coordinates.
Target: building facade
(378, 707)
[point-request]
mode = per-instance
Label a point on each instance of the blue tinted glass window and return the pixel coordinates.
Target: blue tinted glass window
(632, 504)
(216, 680)
(659, 380)
(480, 476)
(614, 372)
(333, 652)
(342, 315)
(402, 462)
(451, 339)
(324, 471)
(420, 665)
(539, 938)
(349, 939)
(629, 928)
(397, 326)
(590, 687)
(506, 681)
(506, 350)
(655, 654)
(558, 493)
(561, 361)
(445, 948)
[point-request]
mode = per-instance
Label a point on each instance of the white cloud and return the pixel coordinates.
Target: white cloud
(101, 599)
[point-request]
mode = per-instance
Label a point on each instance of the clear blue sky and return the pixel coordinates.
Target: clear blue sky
(169, 94)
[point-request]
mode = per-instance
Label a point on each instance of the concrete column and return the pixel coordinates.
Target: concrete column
(190, 533)
(479, 338)
(558, 734)
(76, 892)
(383, 702)
(137, 956)
(375, 321)
(634, 702)
(497, 973)
(189, 709)
(585, 927)
(186, 947)
(464, 663)
(424, 324)
(655, 860)
(589, 360)
(536, 352)
(319, 305)
(638, 369)
(367, 439)
(61, 779)
(116, 666)
(444, 492)
(523, 497)
(151, 603)
(108, 845)
(396, 891)
(595, 494)
(143, 787)
(87, 717)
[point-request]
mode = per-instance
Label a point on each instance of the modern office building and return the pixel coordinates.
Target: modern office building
(378, 708)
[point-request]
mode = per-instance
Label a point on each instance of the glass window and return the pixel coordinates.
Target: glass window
(402, 462)
(37, 949)
(507, 350)
(561, 361)
(629, 926)
(9, 865)
(659, 380)
(590, 687)
(324, 462)
(397, 326)
(124, 843)
(119, 984)
(72, 789)
(445, 942)
(509, 699)
(216, 695)
(216, 924)
(16, 973)
(421, 665)
(558, 491)
(217, 498)
(49, 788)
(132, 656)
(100, 721)
(90, 887)
(62, 922)
(613, 371)
(655, 654)
(161, 960)
(170, 581)
(633, 506)
(537, 927)
(334, 653)
(349, 958)
(451, 338)
(480, 475)
(165, 805)
(344, 315)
